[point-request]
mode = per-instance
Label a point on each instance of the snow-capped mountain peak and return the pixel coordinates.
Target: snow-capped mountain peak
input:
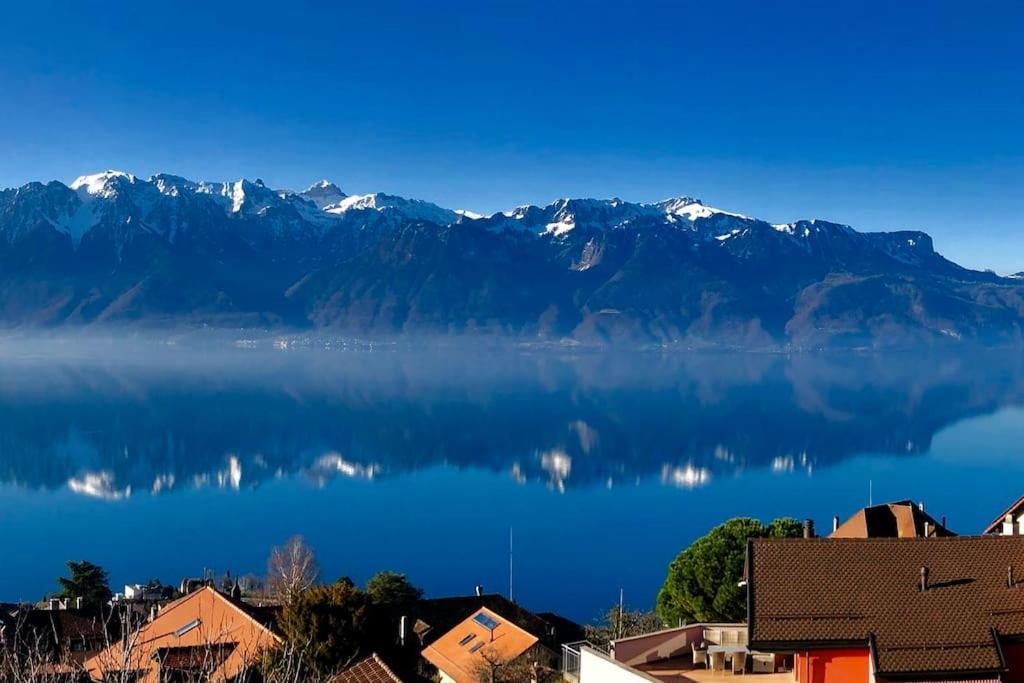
(692, 209)
(172, 185)
(240, 195)
(416, 209)
(323, 194)
(99, 184)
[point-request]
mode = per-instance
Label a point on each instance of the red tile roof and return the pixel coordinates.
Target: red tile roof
(807, 593)
(370, 670)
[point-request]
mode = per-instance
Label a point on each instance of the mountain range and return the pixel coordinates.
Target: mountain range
(111, 248)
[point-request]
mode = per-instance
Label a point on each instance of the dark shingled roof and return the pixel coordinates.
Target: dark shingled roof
(816, 593)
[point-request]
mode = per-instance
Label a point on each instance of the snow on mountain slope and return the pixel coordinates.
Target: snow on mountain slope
(415, 209)
(99, 184)
(323, 194)
(167, 204)
(692, 209)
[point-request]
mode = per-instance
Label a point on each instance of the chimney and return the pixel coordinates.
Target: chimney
(920, 506)
(943, 521)
(924, 579)
(479, 590)
(808, 528)
(835, 523)
(401, 630)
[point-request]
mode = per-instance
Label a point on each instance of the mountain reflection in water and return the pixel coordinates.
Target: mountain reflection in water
(120, 432)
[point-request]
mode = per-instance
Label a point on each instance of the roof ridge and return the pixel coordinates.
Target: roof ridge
(988, 538)
(386, 668)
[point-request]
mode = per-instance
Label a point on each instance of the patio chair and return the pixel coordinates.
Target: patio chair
(717, 661)
(739, 661)
(699, 656)
(762, 663)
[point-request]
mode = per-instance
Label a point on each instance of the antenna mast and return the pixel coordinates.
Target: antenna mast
(621, 611)
(510, 598)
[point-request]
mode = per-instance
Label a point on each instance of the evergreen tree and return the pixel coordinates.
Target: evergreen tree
(703, 581)
(88, 581)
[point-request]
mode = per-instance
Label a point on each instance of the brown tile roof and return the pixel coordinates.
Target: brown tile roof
(997, 523)
(370, 670)
(462, 651)
(901, 519)
(199, 658)
(807, 593)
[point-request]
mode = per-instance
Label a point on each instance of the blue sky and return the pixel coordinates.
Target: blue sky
(880, 115)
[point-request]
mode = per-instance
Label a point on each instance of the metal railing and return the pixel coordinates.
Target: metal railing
(571, 659)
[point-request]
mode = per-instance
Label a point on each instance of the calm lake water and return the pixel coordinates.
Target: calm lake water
(163, 462)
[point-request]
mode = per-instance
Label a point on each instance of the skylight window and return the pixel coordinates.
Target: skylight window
(468, 638)
(476, 647)
(485, 621)
(187, 627)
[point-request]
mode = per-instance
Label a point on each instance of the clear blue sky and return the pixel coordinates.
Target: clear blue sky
(881, 115)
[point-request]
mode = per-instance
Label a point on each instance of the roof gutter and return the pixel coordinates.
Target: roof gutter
(793, 646)
(750, 590)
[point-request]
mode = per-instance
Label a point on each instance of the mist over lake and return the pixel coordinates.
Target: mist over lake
(164, 461)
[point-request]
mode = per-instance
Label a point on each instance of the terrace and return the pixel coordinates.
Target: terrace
(699, 652)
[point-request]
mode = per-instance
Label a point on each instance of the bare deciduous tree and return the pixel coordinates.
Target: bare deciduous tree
(292, 568)
(528, 667)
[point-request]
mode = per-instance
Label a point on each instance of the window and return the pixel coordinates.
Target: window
(468, 638)
(115, 676)
(476, 647)
(486, 621)
(186, 628)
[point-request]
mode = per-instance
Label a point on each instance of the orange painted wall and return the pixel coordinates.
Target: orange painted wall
(1013, 653)
(833, 666)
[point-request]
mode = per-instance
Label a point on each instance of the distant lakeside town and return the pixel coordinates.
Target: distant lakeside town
(891, 594)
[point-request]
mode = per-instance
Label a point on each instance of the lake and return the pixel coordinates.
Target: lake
(165, 462)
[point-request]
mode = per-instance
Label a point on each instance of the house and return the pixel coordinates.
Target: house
(1010, 522)
(204, 634)
(901, 519)
(57, 641)
(431, 618)
(369, 670)
(483, 644)
(674, 655)
(890, 609)
(146, 592)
